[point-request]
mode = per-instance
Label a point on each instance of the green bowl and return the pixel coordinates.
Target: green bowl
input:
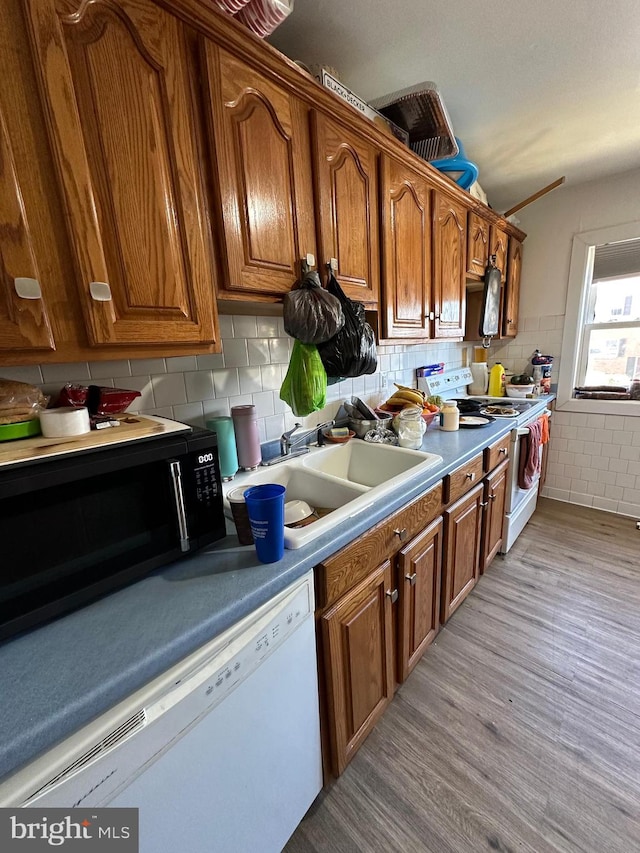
(23, 429)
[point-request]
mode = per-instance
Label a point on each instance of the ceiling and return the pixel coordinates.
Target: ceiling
(535, 89)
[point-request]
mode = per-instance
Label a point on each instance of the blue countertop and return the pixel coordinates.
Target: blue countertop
(62, 675)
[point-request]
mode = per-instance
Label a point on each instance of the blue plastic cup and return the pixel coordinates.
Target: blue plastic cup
(265, 506)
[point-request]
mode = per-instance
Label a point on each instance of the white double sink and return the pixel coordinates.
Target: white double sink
(346, 478)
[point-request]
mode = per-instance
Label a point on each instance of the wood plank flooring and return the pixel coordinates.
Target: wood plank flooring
(520, 728)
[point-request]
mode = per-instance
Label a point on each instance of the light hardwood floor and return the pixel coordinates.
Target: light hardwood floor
(520, 728)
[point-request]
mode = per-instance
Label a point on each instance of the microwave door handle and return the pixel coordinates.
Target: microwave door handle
(178, 494)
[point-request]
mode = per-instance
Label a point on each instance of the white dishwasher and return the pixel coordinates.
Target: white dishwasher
(221, 754)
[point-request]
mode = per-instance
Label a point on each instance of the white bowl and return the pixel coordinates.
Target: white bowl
(518, 390)
(295, 511)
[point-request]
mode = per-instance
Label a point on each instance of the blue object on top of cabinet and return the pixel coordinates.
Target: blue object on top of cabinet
(468, 170)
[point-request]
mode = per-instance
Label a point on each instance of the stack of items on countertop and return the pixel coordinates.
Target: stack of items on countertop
(79, 409)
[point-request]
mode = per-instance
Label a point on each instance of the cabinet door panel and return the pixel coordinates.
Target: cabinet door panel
(499, 241)
(495, 493)
(358, 643)
(449, 292)
(116, 80)
(24, 323)
(346, 184)
(477, 245)
(461, 550)
(264, 173)
(512, 290)
(406, 237)
(419, 585)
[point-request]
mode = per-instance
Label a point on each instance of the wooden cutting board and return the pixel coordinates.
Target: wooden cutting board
(131, 427)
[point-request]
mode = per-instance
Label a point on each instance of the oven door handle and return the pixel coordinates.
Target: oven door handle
(178, 494)
(525, 430)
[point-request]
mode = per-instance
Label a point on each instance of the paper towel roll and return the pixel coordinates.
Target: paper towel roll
(65, 421)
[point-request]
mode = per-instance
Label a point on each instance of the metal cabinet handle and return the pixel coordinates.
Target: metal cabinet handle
(412, 578)
(484, 504)
(401, 534)
(492, 497)
(27, 288)
(503, 450)
(393, 595)
(100, 291)
(176, 479)
(471, 476)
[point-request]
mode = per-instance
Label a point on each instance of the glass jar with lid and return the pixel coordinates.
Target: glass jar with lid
(410, 427)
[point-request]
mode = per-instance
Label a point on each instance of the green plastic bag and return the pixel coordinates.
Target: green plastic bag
(305, 385)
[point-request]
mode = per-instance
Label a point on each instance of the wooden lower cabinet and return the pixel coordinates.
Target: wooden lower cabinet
(418, 566)
(462, 538)
(357, 637)
(495, 493)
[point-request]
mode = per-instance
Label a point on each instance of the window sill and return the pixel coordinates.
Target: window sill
(629, 408)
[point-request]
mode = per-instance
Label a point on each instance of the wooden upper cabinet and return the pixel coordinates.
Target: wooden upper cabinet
(406, 250)
(24, 322)
(512, 290)
(116, 80)
(449, 288)
(498, 246)
(477, 245)
(346, 187)
(263, 157)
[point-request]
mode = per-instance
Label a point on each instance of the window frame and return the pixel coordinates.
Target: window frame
(573, 338)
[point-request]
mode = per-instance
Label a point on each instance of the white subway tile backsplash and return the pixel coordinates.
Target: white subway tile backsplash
(250, 380)
(620, 466)
(613, 422)
(169, 389)
(244, 327)
(147, 366)
(630, 453)
(258, 351)
(274, 426)
(627, 481)
(211, 361)
(107, 369)
(614, 492)
(611, 450)
(226, 383)
(189, 413)
(181, 363)
(606, 504)
(581, 498)
(631, 509)
(270, 377)
(216, 408)
(29, 373)
(199, 385)
(279, 350)
(263, 401)
(267, 327)
(225, 322)
(235, 352)
(73, 372)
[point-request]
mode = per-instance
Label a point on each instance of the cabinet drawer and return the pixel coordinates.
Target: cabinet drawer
(497, 453)
(340, 572)
(463, 479)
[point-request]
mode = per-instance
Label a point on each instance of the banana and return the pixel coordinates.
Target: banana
(399, 398)
(409, 394)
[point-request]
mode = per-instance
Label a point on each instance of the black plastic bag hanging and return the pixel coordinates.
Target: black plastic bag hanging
(311, 315)
(352, 351)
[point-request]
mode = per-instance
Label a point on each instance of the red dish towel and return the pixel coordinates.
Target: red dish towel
(529, 465)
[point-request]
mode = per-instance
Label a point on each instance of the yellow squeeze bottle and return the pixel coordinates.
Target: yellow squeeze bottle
(496, 381)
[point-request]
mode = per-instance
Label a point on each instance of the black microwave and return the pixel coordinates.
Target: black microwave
(73, 528)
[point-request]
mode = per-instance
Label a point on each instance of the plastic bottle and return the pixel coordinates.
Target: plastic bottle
(496, 380)
(223, 427)
(245, 424)
(450, 416)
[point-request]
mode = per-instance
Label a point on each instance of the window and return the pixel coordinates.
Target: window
(601, 343)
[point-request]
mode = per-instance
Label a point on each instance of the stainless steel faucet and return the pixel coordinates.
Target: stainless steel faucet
(288, 442)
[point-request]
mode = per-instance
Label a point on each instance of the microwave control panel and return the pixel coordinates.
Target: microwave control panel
(205, 480)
